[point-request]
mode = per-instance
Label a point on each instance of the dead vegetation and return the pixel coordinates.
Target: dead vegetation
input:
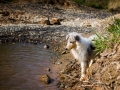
(106, 4)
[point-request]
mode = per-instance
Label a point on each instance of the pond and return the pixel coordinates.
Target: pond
(22, 64)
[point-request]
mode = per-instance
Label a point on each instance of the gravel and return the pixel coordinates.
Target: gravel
(37, 32)
(21, 22)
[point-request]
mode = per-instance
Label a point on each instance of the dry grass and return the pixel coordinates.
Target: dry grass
(114, 4)
(106, 4)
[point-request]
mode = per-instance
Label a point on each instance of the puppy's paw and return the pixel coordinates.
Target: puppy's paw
(82, 78)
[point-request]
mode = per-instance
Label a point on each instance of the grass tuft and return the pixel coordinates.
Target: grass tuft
(109, 40)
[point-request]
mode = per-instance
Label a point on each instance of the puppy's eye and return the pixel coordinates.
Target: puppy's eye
(71, 42)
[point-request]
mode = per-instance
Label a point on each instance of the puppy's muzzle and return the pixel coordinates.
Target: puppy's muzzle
(66, 48)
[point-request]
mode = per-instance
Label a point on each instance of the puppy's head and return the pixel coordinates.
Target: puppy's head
(72, 38)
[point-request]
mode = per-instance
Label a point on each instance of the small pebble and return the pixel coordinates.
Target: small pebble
(45, 79)
(48, 69)
(66, 86)
(62, 86)
(64, 52)
(46, 47)
(59, 63)
(35, 42)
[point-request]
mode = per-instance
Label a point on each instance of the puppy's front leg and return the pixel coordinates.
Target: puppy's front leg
(83, 70)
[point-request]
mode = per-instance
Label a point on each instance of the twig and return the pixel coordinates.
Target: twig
(87, 85)
(72, 77)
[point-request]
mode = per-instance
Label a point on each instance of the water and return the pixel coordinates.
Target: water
(21, 66)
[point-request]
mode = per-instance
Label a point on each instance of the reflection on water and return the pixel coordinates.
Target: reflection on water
(21, 66)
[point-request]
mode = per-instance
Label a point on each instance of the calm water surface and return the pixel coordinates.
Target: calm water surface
(21, 66)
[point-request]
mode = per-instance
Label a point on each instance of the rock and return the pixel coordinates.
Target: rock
(62, 71)
(45, 79)
(5, 13)
(55, 21)
(62, 86)
(46, 46)
(59, 63)
(48, 69)
(86, 24)
(64, 52)
(35, 42)
(66, 86)
(45, 21)
(66, 4)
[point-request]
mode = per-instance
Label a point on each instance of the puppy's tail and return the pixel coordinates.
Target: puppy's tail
(91, 38)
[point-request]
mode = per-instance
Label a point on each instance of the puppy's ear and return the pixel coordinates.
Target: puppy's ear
(67, 37)
(77, 38)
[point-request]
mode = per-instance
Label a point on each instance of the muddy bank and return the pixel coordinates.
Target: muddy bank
(104, 74)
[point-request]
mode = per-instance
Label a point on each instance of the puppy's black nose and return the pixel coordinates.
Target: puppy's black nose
(66, 49)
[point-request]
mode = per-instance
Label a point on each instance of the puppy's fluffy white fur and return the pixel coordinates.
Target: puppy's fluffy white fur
(82, 50)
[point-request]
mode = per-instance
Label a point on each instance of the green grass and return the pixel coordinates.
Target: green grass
(79, 1)
(88, 3)
(100, 4)
(112, 37)
(94, 5)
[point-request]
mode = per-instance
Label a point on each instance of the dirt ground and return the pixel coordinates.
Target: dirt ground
(104, 74)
